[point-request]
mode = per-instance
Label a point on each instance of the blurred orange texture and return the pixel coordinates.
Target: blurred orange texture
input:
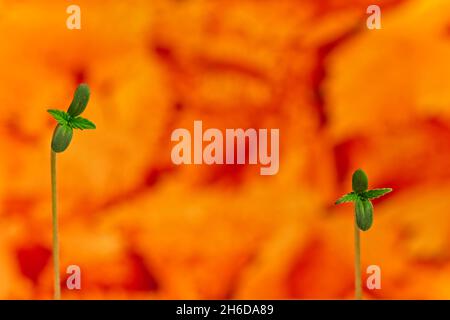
(343, 96)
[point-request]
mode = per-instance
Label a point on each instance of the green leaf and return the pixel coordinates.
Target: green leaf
(80, 100)
(349, 197)
(61, 138)
(360, 182)
(81, 123)
(364, 214)
(60, 116)
(376, 193)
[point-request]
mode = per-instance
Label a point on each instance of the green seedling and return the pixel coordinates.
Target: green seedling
(62, 136)
(363, 216)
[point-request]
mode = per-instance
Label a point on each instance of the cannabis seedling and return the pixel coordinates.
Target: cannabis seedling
(62, 135)
(363, 216)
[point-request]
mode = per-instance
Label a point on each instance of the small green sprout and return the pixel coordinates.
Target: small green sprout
(67, 121)
(361, 196)
(363, 215)
(62, 136)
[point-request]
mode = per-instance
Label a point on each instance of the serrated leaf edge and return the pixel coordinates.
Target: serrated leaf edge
(64, 115)
(341, 199)
(381, 195)
(84, 119)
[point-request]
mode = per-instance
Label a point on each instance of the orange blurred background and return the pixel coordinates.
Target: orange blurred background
(344, 97)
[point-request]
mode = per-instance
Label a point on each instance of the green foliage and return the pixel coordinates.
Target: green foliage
(360, 182)
(67, 121)
(364, 214)
(61, 138)
(81, 123)
(60, 116)
(80, 100)
(361, 197)
(376, 193)
(349, 197)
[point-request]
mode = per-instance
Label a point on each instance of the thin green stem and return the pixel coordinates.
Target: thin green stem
(57, 281)
(358, 286)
